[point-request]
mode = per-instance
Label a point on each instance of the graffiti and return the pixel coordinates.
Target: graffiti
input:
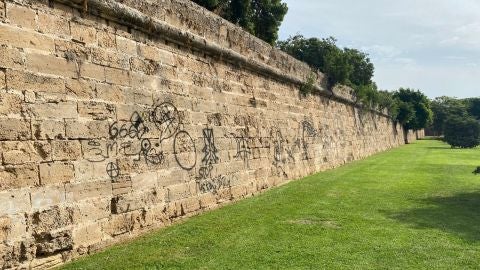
(95, 151)
(205, 172)
(216, 183)
(210, 150)
(113, 170)
(243, 150)
(135, 128)
(151, 155)
(308, 132)
(184, 150)
(166, 118)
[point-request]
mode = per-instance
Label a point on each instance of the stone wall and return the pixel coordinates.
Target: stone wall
(114, 122)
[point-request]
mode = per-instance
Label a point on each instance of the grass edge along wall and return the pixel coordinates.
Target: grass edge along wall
(108, 129)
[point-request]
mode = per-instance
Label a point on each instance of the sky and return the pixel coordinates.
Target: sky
(431, 45)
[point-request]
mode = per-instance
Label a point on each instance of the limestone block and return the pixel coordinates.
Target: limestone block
(57, 217)
(11, 58)
(80, 88)
(93, 71)
(81, 191)
(117, 76)
(22, 16)
(106, 39)
(53, 242)
(111, 93)
(92, 210)
(123, 223)
(49, 64)
(137, 200)
(86, 171)
(83, 33)
(18, 176)
(10, 103)
(20, 152)
(108, 58)
(50, 110)
(87, 234)
(48, 129)
(96, 110)
(25, 39)
(207, 200)
(51, 24)
(145, 180)
(66, 150)
(180, 191)
(126, 46)
(14, 202)
(86, 129)
(14, 129)
(21, 81)
(56, 172)
(156, 54)
(190, 205)
(46, 197)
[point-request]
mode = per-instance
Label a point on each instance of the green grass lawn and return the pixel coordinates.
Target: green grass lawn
(415, 207)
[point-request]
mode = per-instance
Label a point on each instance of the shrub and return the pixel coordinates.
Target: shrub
(463, 132)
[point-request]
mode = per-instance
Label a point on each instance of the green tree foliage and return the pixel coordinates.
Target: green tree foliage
(387, 101)
(462, 132)
(261, 18)
(342, 66)
(414, 110)
(473, 106)
(443, 108)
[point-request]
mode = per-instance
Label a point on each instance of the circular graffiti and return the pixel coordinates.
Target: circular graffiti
(113, 170)
(166, 118)
(185, 151)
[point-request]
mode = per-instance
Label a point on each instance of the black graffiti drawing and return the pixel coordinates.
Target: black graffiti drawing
(216, 183)
(243, 150)
(113, 170)
(96, 152)
(135, 128)
(205, 172)
(150, 153)
(308, 131)
(166, 118)
(184, 150)
(209, 150)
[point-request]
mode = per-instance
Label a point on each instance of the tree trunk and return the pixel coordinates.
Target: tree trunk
(405, 135)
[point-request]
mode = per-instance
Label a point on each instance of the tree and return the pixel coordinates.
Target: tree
(473, 107)
(443, 108)
(341, 66)
(261, 18)
(463, 132)
(411, 100)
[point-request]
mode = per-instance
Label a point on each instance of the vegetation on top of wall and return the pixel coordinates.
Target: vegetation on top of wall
(261, 18)
(353, 68)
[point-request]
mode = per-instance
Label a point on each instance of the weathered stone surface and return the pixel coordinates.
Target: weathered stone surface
(17, 37)
(56, 173)
(20, 152)
(22, 16)
(108, 129)
(14, 129)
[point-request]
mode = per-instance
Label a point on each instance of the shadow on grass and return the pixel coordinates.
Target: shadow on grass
(458, 215)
